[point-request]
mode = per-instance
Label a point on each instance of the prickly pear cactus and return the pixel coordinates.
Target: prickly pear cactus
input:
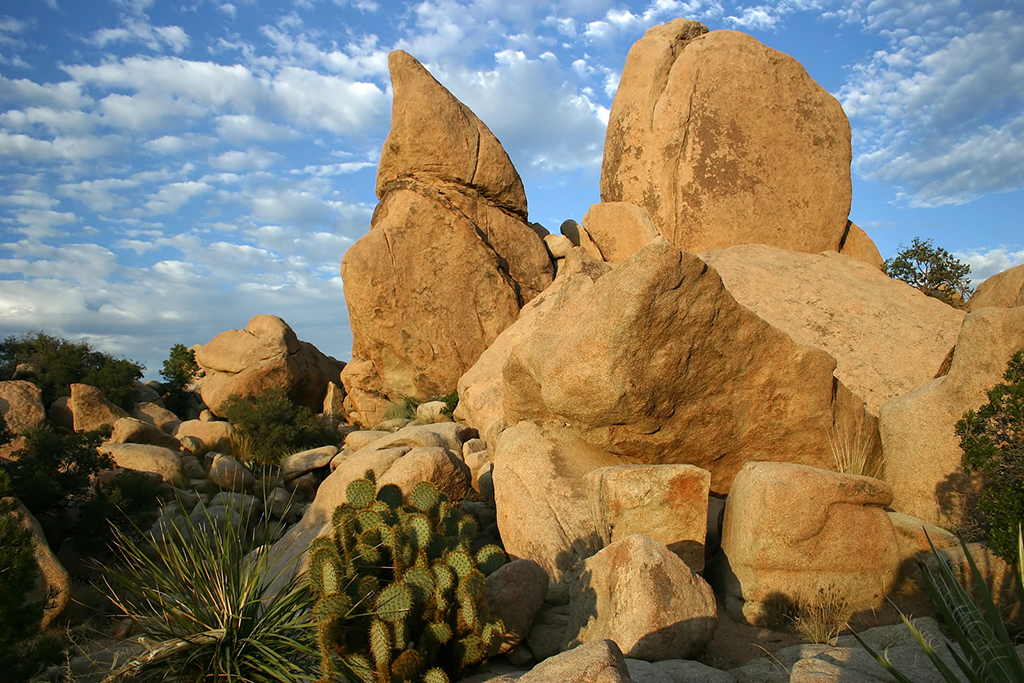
(400, 594)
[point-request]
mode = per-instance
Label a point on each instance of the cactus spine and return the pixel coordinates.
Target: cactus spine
(400, 592)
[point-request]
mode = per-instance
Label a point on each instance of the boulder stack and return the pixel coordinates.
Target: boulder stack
(449, 259)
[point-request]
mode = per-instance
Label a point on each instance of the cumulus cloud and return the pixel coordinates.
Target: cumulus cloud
(986, 263)
(940, 113)
(133, 29)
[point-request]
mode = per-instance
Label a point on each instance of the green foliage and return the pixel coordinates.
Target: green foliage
(272, 426)
(128, 502)
(451, 401)
(933, 270)
(19, 617)
(178, 371)
(400, 594)
(404, 409)
(986, 651)
(62, 363)
(992, 440)
(51, 473)
(206, 604)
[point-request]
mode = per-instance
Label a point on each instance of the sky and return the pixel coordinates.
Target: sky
(171, 168)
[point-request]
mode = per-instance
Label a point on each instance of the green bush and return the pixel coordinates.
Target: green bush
(51, 473)
(933, 270)
(178, 371)
(993, 443)
(128, 502)
(272, 426)
(61, 363)
(400, 590)
(203, 601)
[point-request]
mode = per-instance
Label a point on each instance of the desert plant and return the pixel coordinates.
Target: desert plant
(19, 617)
(986, 650)
(203, 603)
(178, 371)
(854, 452)
(51, 472)
(822, 616)
(128, 502)
(404, 409)
(932, 270)
(413, 565)
(992, 440)
(59, 363)
(271, 425)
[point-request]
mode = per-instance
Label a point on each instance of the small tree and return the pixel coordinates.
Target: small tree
(270, 426)
(932, 270)
(178, 371)
(993, 443)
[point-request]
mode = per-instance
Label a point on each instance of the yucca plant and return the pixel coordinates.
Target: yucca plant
(201, 601)
(986, 651)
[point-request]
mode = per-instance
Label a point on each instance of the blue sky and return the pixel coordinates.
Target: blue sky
(168, 169)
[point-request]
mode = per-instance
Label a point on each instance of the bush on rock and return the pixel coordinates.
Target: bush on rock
(270, 426)
(993, 443)
(933, 270)
(178, 371)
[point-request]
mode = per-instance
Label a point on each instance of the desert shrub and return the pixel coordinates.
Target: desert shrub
(61, 363)
(272, 426)
(932, 270)
(19, 618)
(985, 651)
(203, 600)
(822, 616)
(451, 401)
(178, 371)
(992, 440)
(404, 409)
(854, 452)
(128, 502)
(51, 473)
(400, 590)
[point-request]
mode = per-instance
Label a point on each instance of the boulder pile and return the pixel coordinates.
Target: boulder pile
(703, 402)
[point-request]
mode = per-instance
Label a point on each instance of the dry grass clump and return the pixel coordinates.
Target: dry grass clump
(854, 451)
(822, 617)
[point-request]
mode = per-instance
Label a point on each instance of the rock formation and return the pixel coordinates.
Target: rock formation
(724, 141)
(1003, 290)
(449, 259)
(265, 355)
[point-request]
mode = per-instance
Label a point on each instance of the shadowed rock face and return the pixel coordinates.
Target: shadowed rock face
(725, 141)
(449, 259)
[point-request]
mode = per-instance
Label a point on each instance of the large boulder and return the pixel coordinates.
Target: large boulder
(211, 436)
(596, 662)
(146, 458)
(265, 355)
(91, 409)
(541, 495)
(619, 229)
(21, 404)
(857, 244)
(725, 141)
(792, 530)
(130, 430)
(482, 388)
(1002, 290)
(655, 363)
(887, 337)
(667, 503)
(515, 594)
(641, 595)
(918, 429)
(449, 259)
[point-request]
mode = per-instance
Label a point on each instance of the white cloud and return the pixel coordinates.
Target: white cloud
(237, 128)
(62, 96)
(985, 264)
(156, 38)
(251, 159)
(172, 197)
(311, 99)
(939, 113)
(177, 144)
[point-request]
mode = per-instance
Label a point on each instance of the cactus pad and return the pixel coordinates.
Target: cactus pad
(380, 644)
(460, 562)
(333, 606)
(360, 494)
(435, 675)
(390, 495)
(424, 496)
(394, 602)
(489, 559)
